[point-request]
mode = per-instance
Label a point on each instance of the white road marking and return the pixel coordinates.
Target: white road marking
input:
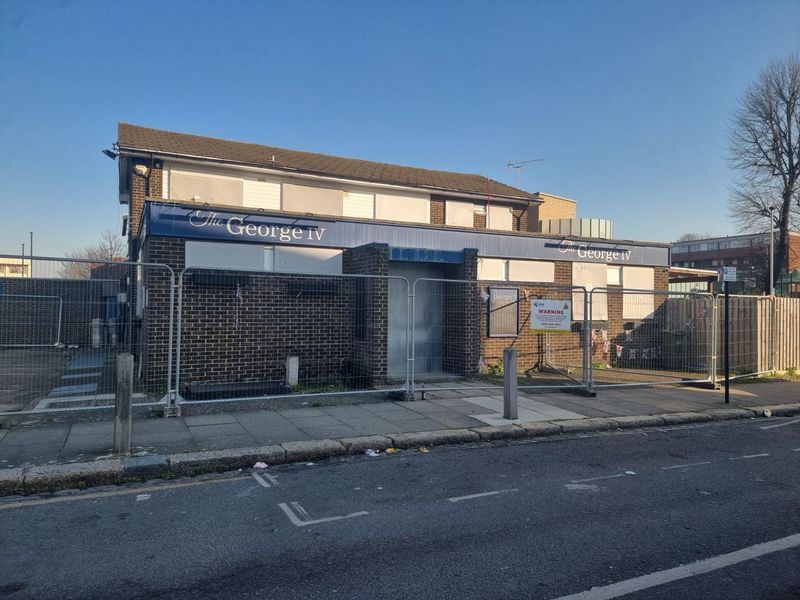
(306, 520)
(796, 450)
(705, 462)
(629, 586)
(261, 481)
(748, 456)
(780, 424)
(482, 494)
(141, 497)
(625, 474)
(302, 512)
(582, 487)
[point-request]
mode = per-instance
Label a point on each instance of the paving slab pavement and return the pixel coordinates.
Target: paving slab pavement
(37, 443)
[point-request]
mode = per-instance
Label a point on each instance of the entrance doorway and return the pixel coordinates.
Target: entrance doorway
(428, 319)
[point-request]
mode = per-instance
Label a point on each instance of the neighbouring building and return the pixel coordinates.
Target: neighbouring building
(15, 267)
(262, 214)
(749, 253)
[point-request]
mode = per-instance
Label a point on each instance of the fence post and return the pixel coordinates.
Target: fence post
(774, 333)
(409, 340)
(510, 383)
(586, 338)
(122, 406)
(411, 349)
(714, 339)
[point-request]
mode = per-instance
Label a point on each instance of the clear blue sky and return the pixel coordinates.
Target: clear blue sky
(627, 102)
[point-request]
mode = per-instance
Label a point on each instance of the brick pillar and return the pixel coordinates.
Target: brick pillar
(369, 348)
(462, 317)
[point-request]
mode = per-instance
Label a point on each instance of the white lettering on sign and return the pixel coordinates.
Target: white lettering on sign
(586, 251)
(236, 226)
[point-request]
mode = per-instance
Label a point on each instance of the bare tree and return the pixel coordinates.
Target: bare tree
(109, 248)
(765, 149)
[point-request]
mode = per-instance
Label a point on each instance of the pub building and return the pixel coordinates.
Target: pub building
(239, 215)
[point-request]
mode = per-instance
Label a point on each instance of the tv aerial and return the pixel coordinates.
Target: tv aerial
(519, 164)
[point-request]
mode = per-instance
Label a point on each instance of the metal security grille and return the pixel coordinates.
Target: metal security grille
(62, 329)
(650, 337)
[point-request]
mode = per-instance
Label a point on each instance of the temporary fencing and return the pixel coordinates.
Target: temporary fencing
(650, 337)
(250, 335)
(211, 336)
(460, 329)
(63, 324)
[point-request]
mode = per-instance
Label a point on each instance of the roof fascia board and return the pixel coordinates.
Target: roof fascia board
(190, 159)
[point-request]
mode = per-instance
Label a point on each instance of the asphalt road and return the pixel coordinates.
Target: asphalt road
(543, 519)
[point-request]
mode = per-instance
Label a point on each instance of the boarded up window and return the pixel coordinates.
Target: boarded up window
(458, 213)
(590, 276)
(226, 191)
(492, 269)
(405, 208)
(313, 200)
(262, 194)
(531, 270)
(637, 306)
(297, 259)
(224, 255)
(359, 205)
(503, 317)
(500, 218)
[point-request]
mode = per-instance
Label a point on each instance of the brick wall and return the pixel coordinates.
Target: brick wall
(437, 210)
(370, 344)
(139, 193)
(462, 301)
(240, 327)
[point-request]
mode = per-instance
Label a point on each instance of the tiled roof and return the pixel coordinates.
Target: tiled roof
(134, 137)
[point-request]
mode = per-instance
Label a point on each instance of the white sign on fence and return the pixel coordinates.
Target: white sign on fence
(551, 316)
(728, 273)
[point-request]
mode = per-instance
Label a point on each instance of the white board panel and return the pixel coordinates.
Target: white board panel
(262, 194)
(355, 204)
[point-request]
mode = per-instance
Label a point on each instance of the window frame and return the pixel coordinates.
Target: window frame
(489, 311)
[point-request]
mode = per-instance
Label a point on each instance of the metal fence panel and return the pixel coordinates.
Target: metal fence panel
(460, 329)
(650, 337)
(255, 335)
(62, 328)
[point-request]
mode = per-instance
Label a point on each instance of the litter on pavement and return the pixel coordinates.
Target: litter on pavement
(372, 452)
(260, 465)
(391, 450)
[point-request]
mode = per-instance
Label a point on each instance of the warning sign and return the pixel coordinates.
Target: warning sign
(551, 316)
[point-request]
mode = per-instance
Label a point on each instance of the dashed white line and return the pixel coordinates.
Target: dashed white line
(697, 464)
(482, 494)
(748, 456)
(604, 477)
(305, 521)
(629, 586)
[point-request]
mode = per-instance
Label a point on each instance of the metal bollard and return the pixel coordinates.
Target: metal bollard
(510, 383)
(122, 407)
